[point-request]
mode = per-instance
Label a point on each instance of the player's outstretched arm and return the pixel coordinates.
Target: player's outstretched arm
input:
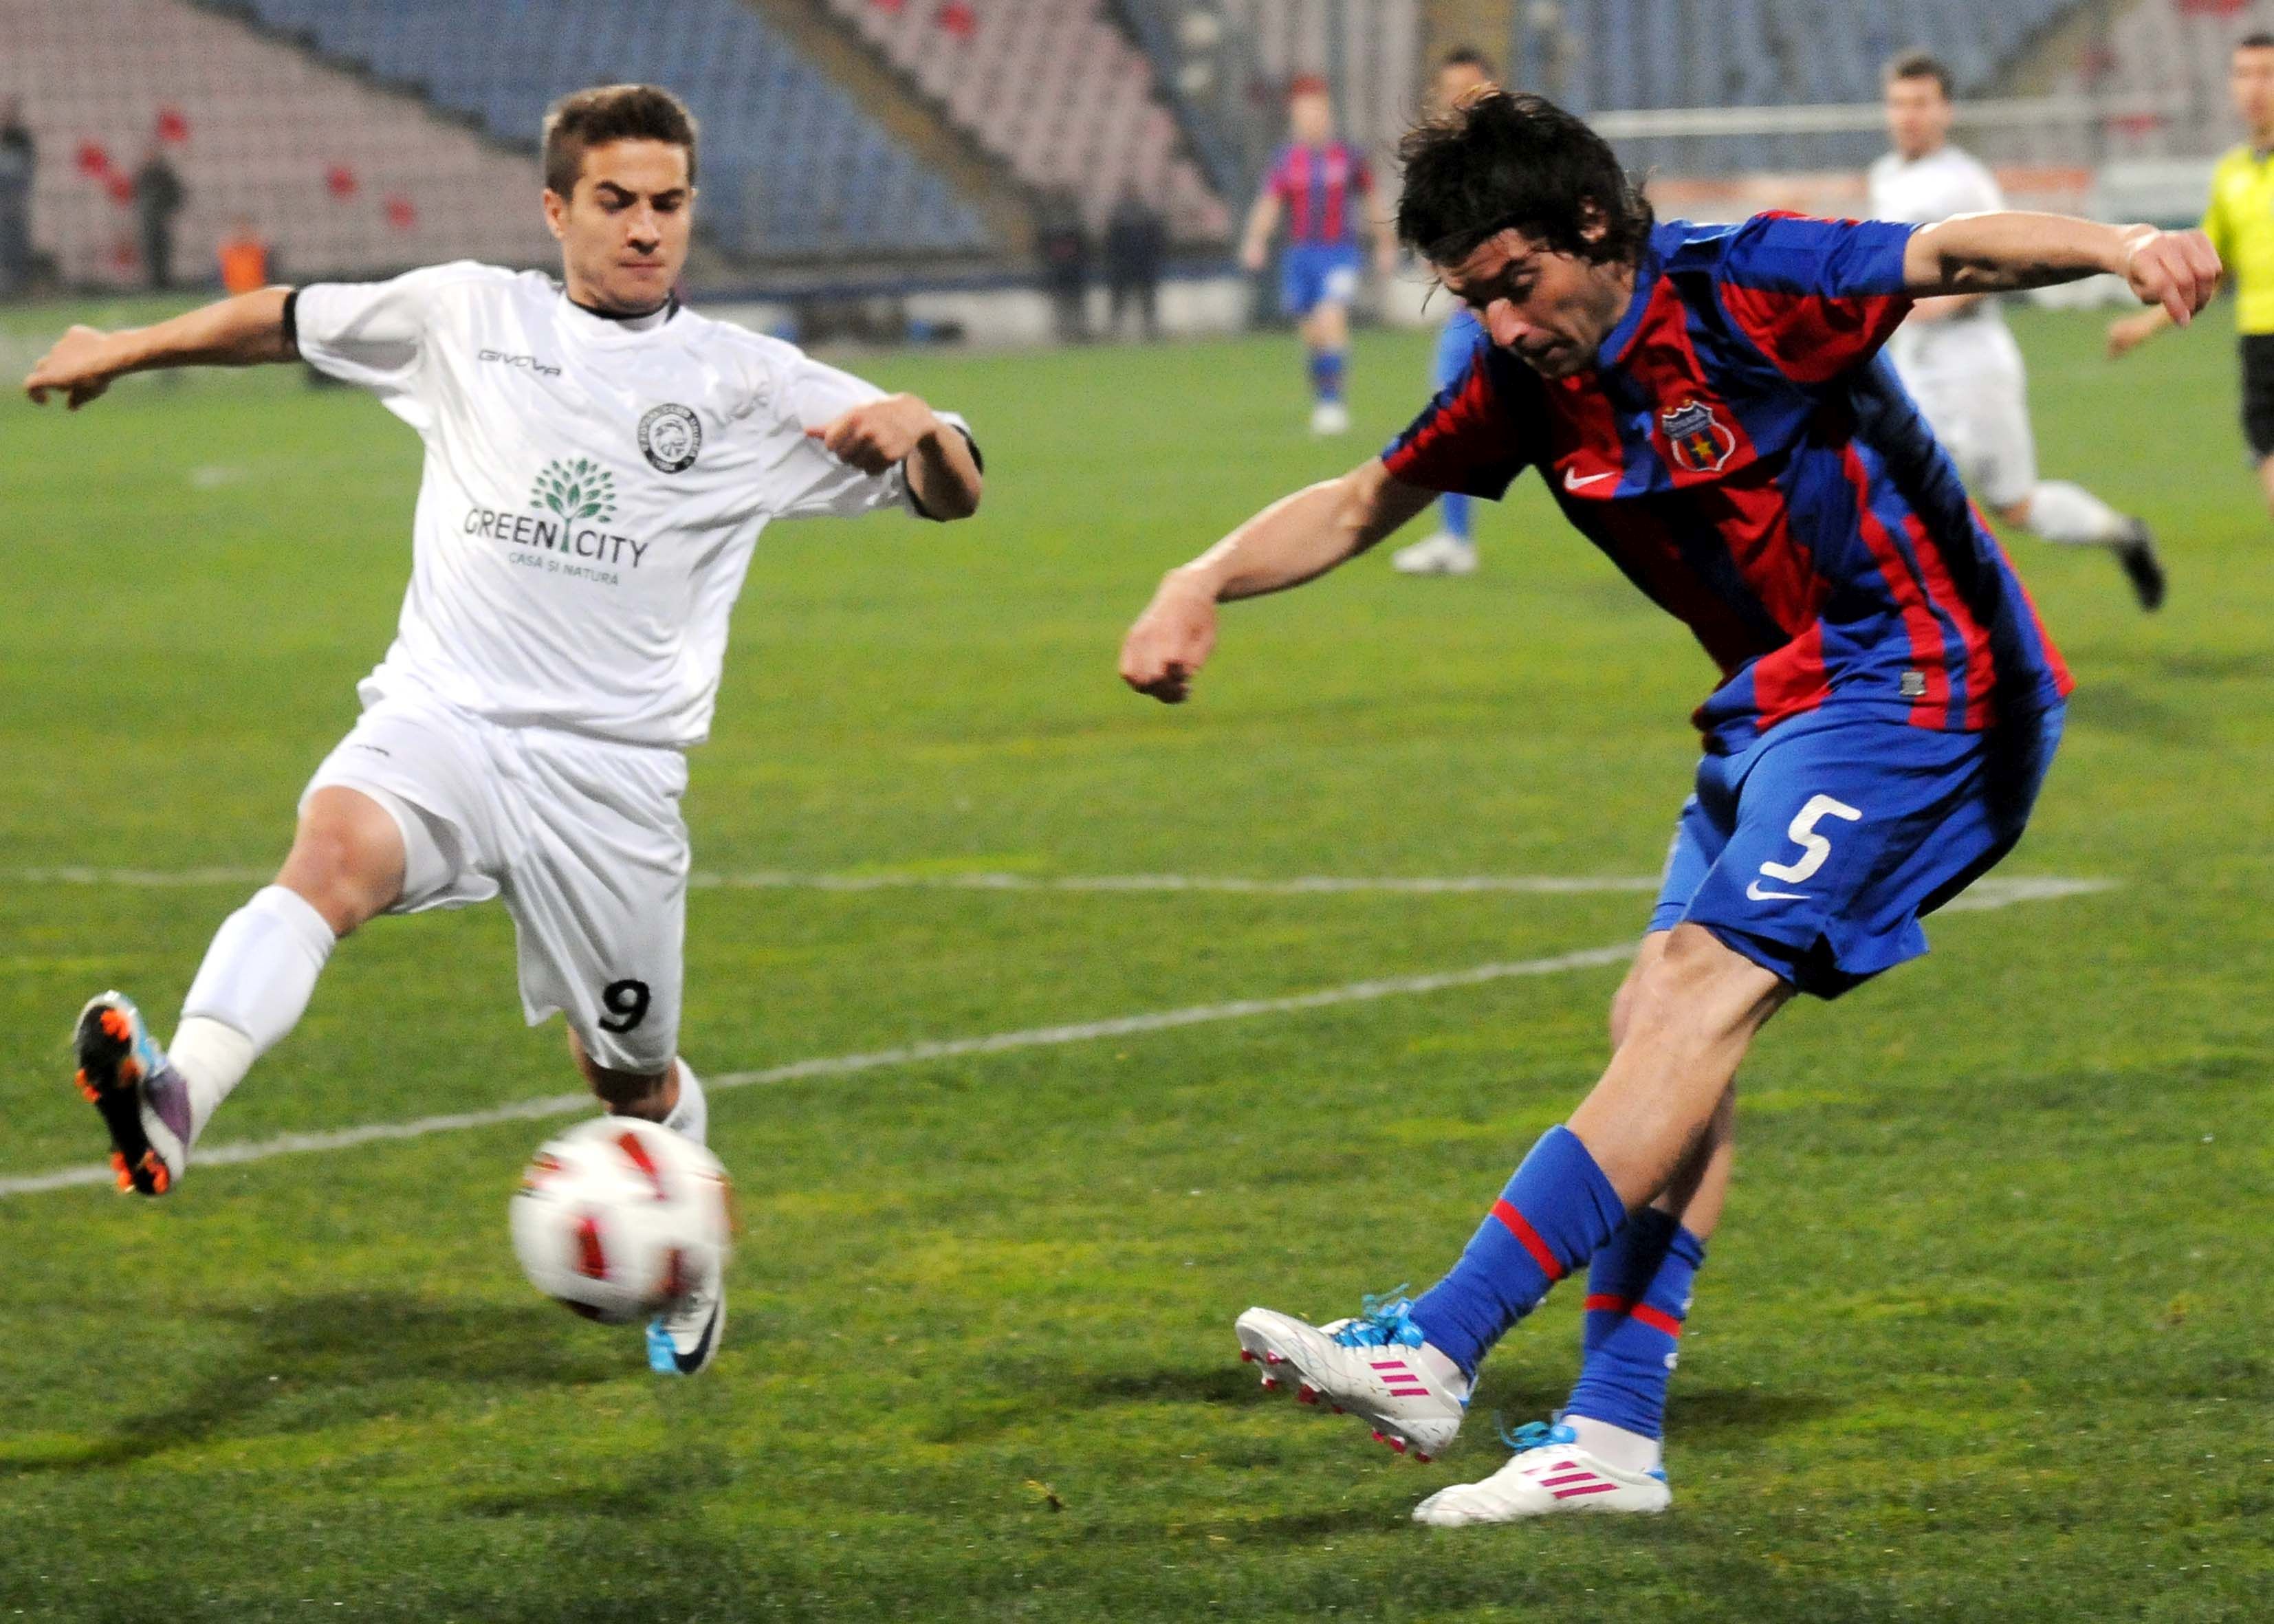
(2178, 271)
(1296, 539)
(1255, 237)
(943, 472)
(243, 331)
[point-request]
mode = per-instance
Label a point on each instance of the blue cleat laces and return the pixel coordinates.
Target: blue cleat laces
(1383, 1321)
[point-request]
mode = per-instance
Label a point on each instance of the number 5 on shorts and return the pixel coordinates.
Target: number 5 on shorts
(1814, 848)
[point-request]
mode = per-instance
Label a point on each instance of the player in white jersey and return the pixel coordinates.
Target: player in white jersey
(599, 463)
(1956, 355)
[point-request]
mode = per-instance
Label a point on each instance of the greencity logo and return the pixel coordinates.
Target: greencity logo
(577, 490)
(580, 496)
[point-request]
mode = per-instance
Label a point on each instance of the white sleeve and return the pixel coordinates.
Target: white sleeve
(372, 333)
(814, 483)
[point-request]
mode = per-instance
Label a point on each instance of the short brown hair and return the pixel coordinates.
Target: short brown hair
(608, 113)
(1921, 64)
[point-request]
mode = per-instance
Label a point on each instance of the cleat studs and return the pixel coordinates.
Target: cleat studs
(1337, 1409)
(1306, 1394)
(1273, 1358)
(130, 1071)
(154, 1165)
(1396, 1446)
(1380, 1437)
(1247, 1355)
(1421, 1457)
(118, 1170)
(114, 1024)
(1271, 1383)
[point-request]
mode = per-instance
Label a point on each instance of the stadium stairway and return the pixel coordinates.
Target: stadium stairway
(794, 172)
(1055, 90)
(983, 181)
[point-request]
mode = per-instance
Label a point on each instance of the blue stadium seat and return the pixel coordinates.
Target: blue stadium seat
(792, 167)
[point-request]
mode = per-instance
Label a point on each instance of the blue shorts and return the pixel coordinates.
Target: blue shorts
(1316, 274)
(1456, 347)
(1815, 853)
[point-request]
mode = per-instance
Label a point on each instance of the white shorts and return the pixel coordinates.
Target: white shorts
(1968, 379)
(582, 838)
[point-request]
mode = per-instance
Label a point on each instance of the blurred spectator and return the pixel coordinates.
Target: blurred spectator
(1063, 241)
(244, 258)
(1136, 243)
(158, 195)
(18, 154)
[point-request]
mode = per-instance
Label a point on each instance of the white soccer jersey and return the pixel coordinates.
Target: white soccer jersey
(591, 491)
(1919, 192)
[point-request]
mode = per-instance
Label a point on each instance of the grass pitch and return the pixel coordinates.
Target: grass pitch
(1982, 1337)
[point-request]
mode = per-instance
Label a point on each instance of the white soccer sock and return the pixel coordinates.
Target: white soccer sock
(249, 991)
(2074, 517)
(692, 1115)
(1614, 1445)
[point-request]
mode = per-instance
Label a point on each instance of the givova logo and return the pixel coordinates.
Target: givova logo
(576, 490)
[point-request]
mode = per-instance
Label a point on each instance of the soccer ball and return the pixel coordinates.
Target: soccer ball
(619, 1219)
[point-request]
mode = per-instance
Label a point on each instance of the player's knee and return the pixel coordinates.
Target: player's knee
(625, 1093)
(346, 859)
(1697, 981)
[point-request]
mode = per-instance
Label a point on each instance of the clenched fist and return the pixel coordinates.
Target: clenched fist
(879, 436)
(1171, 641)
(80, 367)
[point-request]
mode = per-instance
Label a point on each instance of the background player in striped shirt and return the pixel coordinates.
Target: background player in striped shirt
(1958, 358)
(1451, 548)
(2240, 221)
(1709, 406)
(1322, 187)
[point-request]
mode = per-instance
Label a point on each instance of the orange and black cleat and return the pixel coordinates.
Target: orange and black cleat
(142, 1100)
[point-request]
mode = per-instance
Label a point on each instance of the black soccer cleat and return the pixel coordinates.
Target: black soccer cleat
(2136, 553)
(142, 1100)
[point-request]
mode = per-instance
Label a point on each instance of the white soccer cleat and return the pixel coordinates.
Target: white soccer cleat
(1329, 417)
(1443, 553)
(1376, 1366)
(684, 1342)
(1549, 1473)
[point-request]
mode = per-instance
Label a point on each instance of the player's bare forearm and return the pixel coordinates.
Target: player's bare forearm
(1256, 238)
(242, 331)
(899, 430)
(1296, 539)
(2007, 251)
(943, 473)
(1302, 537)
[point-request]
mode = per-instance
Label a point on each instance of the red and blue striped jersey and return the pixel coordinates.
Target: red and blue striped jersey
(1315, 185)
(1745, 456)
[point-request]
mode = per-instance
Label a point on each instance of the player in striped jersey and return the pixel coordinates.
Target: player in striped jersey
(1320, 188)
(1709, 406)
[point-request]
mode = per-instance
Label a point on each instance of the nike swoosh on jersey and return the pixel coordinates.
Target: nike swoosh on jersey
(1573, 482)
(1757, 894)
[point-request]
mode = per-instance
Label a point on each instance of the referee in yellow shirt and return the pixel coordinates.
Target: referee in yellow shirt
(2240, 224)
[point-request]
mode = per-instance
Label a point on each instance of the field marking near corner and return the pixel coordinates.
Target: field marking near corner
(1990, 893)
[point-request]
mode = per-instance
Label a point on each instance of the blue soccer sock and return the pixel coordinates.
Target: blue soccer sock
(1326, 374)
(1637, 1296)
(1457, 510)
(1556, 1213)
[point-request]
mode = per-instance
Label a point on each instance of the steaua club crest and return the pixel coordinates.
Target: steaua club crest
(1697, 438)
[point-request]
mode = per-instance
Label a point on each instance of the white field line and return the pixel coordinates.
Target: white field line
(1991, 893)
(770, 879)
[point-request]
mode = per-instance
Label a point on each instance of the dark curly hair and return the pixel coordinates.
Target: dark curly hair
(1503, 161)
